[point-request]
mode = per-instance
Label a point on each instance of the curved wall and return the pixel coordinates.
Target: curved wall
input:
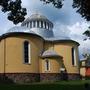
(11, 54)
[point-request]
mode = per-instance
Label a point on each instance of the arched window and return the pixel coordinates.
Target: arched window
(37, 23)
(30, 24)
(41, 24)
(34, 23)
(47, 65)
(73, 56)
(27, 58)
(45, 25)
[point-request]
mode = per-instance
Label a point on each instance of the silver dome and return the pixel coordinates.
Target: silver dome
(20, 29)
(36, 16)
(44, 32)
(49, 53)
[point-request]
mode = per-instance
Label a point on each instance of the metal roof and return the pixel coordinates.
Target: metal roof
(36, 16)
(49, 53)
(20, 29)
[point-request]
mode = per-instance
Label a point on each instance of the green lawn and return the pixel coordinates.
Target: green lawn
(63, 85)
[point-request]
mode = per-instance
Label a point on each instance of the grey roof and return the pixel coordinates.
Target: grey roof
(54, 38)
(43, 32)
(20, 29)
(36, 17)
(49, 53)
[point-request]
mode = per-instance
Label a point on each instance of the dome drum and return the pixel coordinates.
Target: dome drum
(38, 22)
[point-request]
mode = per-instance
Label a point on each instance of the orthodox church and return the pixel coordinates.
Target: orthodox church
(31, 52)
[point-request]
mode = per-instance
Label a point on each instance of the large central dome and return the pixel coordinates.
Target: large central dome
(39, 24)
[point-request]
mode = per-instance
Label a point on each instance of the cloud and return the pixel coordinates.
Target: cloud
(76, 33)
(66, 21)
(61, 30)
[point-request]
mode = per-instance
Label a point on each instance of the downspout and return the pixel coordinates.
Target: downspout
(4, 57)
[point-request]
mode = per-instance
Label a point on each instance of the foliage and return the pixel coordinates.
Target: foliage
(83, 7)
(87, 33)
(15, 12)
(56, 3)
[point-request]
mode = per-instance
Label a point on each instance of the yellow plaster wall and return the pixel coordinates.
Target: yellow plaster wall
(14, 62)
(64, 50)
(55, 65)
(2, 69)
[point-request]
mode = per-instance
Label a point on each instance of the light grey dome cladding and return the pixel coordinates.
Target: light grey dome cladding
(39, 25)
(20, 29)
(42, 32)
(36, 17)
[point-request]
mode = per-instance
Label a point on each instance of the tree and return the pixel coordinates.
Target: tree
(15, 11)
(87, 33)
(57, 3)
(83, 6)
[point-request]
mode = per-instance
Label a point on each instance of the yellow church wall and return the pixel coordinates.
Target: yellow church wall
(48, 45)
(55, 65)
(64, 50)
(14, 62)
(2, 67)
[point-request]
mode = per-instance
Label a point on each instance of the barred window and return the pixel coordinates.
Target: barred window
(27, 52)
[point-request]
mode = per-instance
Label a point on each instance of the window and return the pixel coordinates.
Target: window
(27, 24)
(33, 23)
(47, 65)
(30, 24)
(45, 25)
(37, 23)
(27, 52)
(41, 24)
(73, 57)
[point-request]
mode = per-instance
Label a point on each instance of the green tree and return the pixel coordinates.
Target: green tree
(83, 6)
(15, 11)
(87, 33)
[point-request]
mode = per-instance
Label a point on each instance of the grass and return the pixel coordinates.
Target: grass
(62, 85)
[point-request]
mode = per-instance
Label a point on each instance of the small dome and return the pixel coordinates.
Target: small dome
(50, 53)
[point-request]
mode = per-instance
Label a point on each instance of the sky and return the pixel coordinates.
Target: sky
(66, 21)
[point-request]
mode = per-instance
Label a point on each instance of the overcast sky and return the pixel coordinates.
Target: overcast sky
(66, 21)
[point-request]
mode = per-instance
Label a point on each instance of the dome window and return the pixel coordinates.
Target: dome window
(37, 23)
(34, 24)
(41, 24)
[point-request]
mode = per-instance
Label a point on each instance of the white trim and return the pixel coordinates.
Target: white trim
(74, 56)
(29, 53)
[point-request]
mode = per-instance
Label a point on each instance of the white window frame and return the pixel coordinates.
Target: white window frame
(74, 54)
(29, 53)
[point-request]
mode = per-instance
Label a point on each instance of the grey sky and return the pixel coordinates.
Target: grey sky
(66, 21)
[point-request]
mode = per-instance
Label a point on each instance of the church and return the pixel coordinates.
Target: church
(32, 53)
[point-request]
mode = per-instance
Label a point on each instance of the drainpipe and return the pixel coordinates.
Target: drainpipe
(4, 58)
